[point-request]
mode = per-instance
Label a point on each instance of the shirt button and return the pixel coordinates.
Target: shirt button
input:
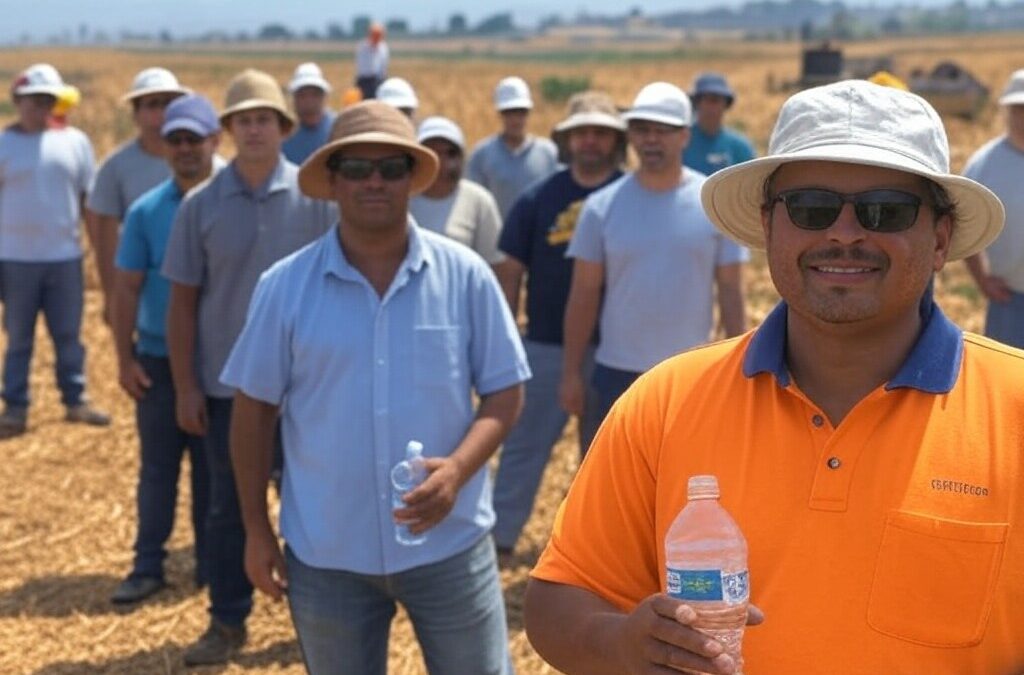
(834, 462)
(817, 420)
(380, 362)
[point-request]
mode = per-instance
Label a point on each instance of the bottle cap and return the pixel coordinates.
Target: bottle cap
(702, 487)
(414, 448)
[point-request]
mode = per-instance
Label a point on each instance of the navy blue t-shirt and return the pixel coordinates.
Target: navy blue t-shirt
(537, 233)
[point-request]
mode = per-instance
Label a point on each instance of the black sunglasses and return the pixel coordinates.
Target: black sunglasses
(876, 210)
(174, 140)
(392, 168)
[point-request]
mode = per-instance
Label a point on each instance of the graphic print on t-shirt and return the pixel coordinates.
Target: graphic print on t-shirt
(561, 230)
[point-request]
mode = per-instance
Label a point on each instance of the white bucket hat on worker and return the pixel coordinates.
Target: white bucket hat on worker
(854, 122)
(40, 78)
(512, 93)
(397, 93)
(1013, 94)
(154, 81)
(441, 127)
(308, 75)
(663, 103)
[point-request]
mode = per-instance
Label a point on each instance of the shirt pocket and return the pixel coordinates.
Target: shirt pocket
(934, 579)
(436, 359)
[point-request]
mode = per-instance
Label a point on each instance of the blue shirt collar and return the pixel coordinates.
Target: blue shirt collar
(418, 255)
(932, 365)
(276, 181)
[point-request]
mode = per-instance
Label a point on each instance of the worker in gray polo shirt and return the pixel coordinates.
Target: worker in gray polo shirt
(134, 168)
(509, 161)
(226, 233)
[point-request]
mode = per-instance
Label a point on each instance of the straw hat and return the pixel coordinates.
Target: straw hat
(855, 122)
(368, 122)
(252, 89)
(590, 109)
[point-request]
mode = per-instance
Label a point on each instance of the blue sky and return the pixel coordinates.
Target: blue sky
(48, 17)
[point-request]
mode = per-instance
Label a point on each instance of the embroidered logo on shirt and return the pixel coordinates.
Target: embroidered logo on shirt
(959, 487)
(565, 224)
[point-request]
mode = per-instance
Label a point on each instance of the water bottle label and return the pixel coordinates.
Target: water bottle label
(709, 585)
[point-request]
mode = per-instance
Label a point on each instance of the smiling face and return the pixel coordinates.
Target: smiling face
(845, 273)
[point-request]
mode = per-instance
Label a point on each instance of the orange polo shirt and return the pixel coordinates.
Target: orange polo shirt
(887, 545)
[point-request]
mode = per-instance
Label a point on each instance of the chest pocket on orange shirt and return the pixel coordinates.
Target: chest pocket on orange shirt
(935, 579)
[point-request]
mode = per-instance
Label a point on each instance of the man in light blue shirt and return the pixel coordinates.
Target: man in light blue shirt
(309, 91)
(712, 145)
(397, 327)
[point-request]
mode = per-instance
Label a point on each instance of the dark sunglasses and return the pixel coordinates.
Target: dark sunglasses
(174, 140)
(876, 210)
(392, 168)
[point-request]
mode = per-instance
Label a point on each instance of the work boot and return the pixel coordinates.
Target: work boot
(217, 645)
(13, 421)
(135, 589)
(83, 413)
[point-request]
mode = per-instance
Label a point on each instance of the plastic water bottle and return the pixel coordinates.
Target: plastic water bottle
(706, 561)
(405, 476)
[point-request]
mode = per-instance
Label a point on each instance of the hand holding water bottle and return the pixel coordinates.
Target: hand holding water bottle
(432, 500)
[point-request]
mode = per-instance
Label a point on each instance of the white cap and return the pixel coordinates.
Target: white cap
(441, 127)
(308, 75)
(512, 93)
(40, 78)
(154, 81)
(661, 102)
(1013, 94)
(397, 93)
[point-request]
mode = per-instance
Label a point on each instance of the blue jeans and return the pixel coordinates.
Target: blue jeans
(1005, 321)
(526, 451)
(163, 444)
(610, 384)
(56, 289)
(230, 590)
(456, 607)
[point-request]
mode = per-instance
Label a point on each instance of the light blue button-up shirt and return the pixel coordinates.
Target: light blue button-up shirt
(358, 376)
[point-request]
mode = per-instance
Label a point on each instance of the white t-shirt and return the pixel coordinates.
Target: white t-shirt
(372, 60)
(999, 166)
(43, 177)
(469, 215)
(659, 252)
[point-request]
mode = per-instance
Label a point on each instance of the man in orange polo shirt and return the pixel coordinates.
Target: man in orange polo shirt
(871, 452)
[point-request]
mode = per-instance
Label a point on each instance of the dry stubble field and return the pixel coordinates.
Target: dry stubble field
(67, 493)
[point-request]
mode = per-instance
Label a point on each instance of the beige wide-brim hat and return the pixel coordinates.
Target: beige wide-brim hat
(854, 122)
(368, 122)
(252, 89)
(590, 109)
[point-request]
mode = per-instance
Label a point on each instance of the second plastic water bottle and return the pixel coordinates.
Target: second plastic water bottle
(405, 476)
(706, 561)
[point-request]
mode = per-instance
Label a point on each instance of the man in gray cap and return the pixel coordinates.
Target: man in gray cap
(191, 133)
(133, 168)
(869, 450)
(999, 271)
(309, 91)
(713, 145)
(453, 206)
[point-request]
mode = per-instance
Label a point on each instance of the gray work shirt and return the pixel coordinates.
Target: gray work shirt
(224, 237)
(124, 176)
(506, 172)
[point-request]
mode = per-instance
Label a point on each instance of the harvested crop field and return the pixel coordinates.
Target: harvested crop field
(67, 514)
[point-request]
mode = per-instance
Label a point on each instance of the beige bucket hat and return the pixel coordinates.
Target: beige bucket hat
(855, 122)
(362, 123)
(252, 89)
(590, 109)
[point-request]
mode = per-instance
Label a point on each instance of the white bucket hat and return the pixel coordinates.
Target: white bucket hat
(512, 93)
(154, 81)
(1013, 94)
(441, 127)
(308, 75)
(397, 93)
(39, 78)
(661, 102)
(854, 122)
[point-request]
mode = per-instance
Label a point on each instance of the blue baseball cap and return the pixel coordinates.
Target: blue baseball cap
(191, 112)
(712, 83)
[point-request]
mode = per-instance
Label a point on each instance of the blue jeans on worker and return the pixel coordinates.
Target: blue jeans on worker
(56, 290)
(230, 590)
(162, 445)
(527, 449)
(343, 619)
(610, 384)
(1005, 320)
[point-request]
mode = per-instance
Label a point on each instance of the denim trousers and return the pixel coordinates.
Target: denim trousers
(610, 384)
(1005, 321)
(527, 449)
(163, 444)
(55, 289)
(230, 589)
(343, 619)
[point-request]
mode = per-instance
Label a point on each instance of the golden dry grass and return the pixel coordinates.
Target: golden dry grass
(67, 493)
